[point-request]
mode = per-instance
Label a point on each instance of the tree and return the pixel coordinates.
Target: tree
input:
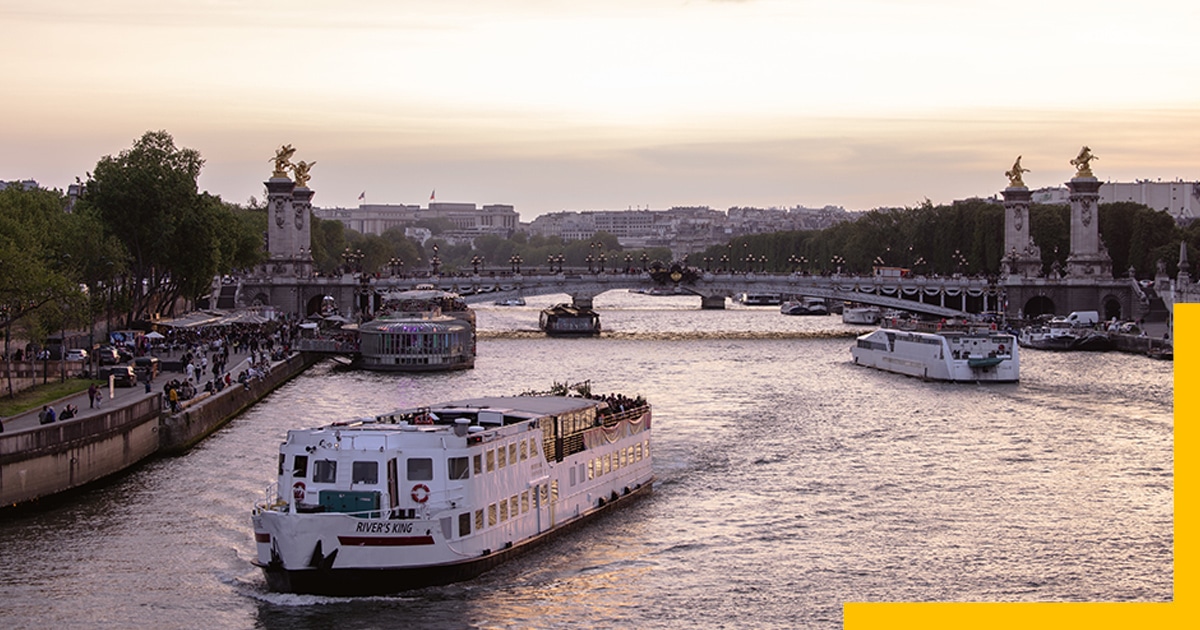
(37, 264)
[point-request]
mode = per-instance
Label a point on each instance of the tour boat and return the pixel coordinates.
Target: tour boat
(568, 320)
(421, 330)
(944, 356)
(760, 299)
(433, 495)
(868, 315)
(804, 306)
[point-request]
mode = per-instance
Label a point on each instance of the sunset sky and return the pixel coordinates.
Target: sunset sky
(603, 105)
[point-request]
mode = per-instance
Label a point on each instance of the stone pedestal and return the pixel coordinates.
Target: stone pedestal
(1088, 257)
(280, 239)
(302, 220)
(1021, 256)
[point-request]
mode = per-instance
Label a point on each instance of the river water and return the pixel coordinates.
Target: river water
(788, 482)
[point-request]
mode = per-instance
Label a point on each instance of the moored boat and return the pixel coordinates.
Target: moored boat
(760, 299)
(804, 305)
(568, 320)
(432, 495)
(944, 356)
(418, 331)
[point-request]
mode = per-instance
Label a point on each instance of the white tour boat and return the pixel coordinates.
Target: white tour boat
(866, 315)
(942, 356)
(804, 306)
(433, 495)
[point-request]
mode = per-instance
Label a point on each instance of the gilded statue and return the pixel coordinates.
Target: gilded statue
(1014, 175)
(282, 160)
(1082, 162)
(300, 173)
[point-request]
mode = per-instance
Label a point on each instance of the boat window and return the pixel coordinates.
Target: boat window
(512, 453)
(502, 461)
(554, 490)
(324, 471)
(478, 519)
(572, 475)
(524, 501)
(457, 468)
(503, 510)
(300, 466)
(464, 524)
(364, 472)
(478, 464)
(591, 469)
(420, 469)
(492, 515)
(524, 451)
(512, 506)
(491, 460)
(281, 457)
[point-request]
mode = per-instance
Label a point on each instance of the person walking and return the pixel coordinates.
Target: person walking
(93, 393)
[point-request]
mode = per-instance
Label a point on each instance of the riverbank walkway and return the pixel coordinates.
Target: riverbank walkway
(120, 397)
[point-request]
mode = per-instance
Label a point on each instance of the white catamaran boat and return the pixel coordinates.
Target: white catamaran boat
(944, 356)
(433, 495)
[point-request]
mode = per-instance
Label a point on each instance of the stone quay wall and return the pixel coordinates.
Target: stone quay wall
(66, 455)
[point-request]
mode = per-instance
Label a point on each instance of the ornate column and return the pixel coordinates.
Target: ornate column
(1088, 255)
(1021, 256)
(302, 219)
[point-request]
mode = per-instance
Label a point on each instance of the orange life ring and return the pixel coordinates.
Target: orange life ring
(298, 490)
(420, 493)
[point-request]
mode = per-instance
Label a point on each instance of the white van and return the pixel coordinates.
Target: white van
(1080, 319)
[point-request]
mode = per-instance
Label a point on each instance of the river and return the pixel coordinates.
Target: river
(788, 482)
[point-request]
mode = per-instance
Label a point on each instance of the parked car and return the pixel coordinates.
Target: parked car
(142, 364)
(108, 355)
(123, 375)
(77, 354)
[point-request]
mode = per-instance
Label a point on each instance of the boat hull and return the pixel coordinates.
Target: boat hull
(348, 582)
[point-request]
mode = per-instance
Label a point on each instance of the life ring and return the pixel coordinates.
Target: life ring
(420, 493)
(298, 490)
(1001, 348)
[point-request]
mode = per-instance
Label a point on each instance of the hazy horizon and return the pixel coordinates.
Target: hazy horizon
(551, 106)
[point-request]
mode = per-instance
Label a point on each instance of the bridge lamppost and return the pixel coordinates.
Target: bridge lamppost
(645, 259)
(394, 264)
(746, 257)
(707, 263)
(589, 262)
(560, 259)
(837, 262)
(628, 263)
(475, 262)
(603, 259)
(435, 262)
(762, 263)
(515, 261)
(960, 262)
(724, 263)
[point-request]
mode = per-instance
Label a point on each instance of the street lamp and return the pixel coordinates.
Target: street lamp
(645, 258)
(435, 262)
(837, 262)
(475, 262)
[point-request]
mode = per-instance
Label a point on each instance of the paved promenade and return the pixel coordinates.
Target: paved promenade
(116, 396)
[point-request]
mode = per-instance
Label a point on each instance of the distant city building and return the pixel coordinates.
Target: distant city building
(26, 184)
(468, 220)
(686, 230)
(1178, 198)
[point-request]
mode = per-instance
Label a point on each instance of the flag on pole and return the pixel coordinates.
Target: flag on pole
(431, 194)
(362, 195)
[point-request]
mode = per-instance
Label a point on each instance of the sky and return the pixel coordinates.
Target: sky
(610, 104)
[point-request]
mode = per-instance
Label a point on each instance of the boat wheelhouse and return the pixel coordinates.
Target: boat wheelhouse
(417, 331)
(568, 320)
(433, 495)
(944, 356)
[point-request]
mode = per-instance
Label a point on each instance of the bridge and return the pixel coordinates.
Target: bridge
(360, 294)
